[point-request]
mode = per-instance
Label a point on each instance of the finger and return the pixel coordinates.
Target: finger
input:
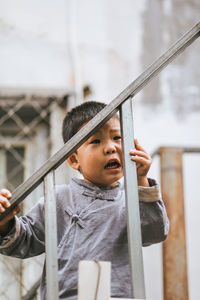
(17, 209)
(11, 215)
(138, 146)
(139, 153)
(4, 201)
(136, 142)
(141, 160)
(6, 193)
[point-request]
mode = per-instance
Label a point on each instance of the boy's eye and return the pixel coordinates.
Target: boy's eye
(117, 137)
(95, 141)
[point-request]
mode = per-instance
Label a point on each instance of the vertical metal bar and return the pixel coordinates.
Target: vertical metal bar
(51, 237)
(174, 249)
(132, 203)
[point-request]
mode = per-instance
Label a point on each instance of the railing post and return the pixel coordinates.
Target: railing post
(132, 203)
(174, 249)
(51, 237)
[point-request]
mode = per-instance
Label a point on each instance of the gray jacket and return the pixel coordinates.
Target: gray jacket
(91, 225)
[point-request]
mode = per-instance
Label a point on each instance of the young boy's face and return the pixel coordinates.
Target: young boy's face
(99, 159)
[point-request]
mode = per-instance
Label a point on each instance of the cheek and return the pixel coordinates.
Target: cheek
(120, 153)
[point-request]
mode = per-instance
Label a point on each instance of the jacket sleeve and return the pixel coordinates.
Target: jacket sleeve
(26, 238)
(153, 215)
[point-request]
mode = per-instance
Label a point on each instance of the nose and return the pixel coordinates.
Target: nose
(109, 148)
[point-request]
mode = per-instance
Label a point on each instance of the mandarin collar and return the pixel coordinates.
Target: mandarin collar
(95, 192)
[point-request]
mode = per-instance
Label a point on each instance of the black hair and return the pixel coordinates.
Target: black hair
(79, 115)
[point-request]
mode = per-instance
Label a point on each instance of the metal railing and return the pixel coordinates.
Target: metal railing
(32, 292)
(46, 173)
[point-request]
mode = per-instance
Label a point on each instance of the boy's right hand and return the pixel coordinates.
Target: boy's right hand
(5, 203)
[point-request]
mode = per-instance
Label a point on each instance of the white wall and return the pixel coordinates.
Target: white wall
(112, 42)
(33, 48)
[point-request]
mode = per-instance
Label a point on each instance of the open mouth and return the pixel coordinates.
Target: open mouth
(112, 164)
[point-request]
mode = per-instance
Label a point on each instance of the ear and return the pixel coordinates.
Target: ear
(73, 161)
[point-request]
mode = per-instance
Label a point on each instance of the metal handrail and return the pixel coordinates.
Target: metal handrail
(33, 291)
(58, 158)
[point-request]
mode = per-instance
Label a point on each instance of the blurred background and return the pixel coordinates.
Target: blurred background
(57, 54)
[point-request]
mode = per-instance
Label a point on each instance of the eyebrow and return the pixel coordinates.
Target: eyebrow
(111, 131)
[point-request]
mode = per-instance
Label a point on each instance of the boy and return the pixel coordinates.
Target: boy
(91, 215)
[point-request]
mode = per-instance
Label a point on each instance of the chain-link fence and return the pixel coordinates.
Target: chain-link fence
(24, 145)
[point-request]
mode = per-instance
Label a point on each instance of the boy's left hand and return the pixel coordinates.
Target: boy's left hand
(143, 163)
